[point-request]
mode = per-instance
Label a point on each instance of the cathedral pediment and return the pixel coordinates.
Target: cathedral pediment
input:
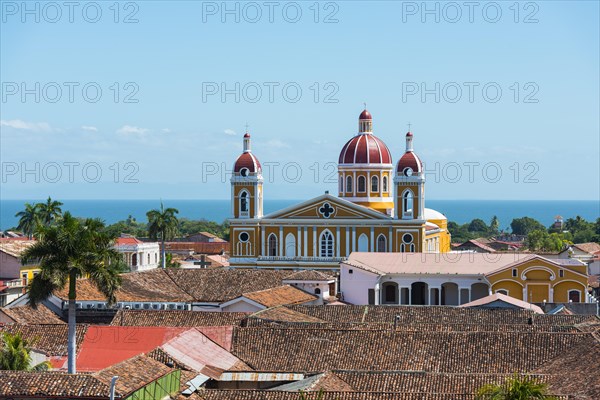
(327, 206)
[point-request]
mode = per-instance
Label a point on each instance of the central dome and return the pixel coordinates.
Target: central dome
(365, 149)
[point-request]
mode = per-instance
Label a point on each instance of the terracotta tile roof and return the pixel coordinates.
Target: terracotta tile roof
(176, 318)
(133, 374)
(153, 285)
(476, 243)
(198, 247)
(280, 296)
(122, 241)
(283, 314)
(51, 384)
(576, 371)
(505, 299)
(221, 285)
(590, 247)
(14, 247)
(422, 382)
(277, 349)
(48, 339)
(432, 315)
(27, 316)
(309, 275)
(277, 395)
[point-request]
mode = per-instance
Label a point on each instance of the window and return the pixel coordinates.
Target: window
(407, 245)
(155, 257)
(574, 296)
(374, 184)
(363, 243)
(407, 203)
(272, 245)
(381, 244)
(384, 183)
(514, 272)
(341, 184)
(362, 184)
(326, 244)
(148, 258)
(317, 291)
(502, 291)
(290, 245)
(561, 273)
(349, 184)
(244, 236)
(244, 202)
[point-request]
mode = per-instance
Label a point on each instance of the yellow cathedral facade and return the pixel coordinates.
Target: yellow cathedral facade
(380, 207)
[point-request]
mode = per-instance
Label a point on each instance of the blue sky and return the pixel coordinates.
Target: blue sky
(168, 130)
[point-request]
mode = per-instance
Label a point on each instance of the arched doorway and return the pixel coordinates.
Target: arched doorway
(419, 293)
(449, 294)
(390, 293)
(479, 291)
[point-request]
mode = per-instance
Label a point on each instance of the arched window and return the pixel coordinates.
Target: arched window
(374, 184)
(272, 245)
(290, 245)
(381, 244)
(384, 184)
(407, 204)
(317, 291)
(348, 184)
(362, 184)
(363, 243)
(407, 243)
(574, 296)
(326, 244)
(244, 202)
(341, 184)
(502, 291)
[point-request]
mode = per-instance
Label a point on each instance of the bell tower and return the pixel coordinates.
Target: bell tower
(247, 184)
(409, 185)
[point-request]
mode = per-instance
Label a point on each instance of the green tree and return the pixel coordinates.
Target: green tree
(69, 250)
(478, 225)
(162, 224)
(522, 226)
(15, 354)
(49, 211)
(29, 219)
(515, 388)
(494, 225)
(535, 239)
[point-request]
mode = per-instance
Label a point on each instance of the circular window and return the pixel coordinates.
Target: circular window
(408, 171)
(407, 238)
(244, 171)
(244, 237)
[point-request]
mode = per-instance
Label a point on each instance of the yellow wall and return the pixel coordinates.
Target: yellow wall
(538, 282)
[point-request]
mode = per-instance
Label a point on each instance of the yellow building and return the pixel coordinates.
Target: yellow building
(379, 208)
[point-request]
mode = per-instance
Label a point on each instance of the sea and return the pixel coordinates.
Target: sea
(460, 211)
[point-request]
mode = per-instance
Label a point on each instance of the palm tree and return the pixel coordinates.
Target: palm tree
(162, 223)
(66, 251)
(29, 219)
(49, 211)
(15, 354)
(515, 388)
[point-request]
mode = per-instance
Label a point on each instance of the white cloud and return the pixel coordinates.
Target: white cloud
(166, 130)
(27, 126)
(89, 128)
(277, 144)
(229, 132)
(131, 130)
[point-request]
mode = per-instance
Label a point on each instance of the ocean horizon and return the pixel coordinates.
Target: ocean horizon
(460, 211)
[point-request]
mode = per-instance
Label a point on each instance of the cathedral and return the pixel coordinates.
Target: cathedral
(378, 208)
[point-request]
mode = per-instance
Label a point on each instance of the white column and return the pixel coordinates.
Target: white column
(262, 240)
(354, 184)
(390, 248)
(299, 243)
(281, 253)
(337, 241)
(347, 241)
(410, 295)
(305, 241)
(315, 249)
(372, 239)
(353, 238)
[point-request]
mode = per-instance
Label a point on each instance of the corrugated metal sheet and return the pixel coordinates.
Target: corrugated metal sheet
(260, 376)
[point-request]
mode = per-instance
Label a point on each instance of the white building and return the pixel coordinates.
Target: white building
(138, 255)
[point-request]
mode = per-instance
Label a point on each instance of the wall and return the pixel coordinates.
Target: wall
(161, 388)
(355, 286)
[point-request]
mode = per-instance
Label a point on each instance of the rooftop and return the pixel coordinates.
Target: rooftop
(281, 295)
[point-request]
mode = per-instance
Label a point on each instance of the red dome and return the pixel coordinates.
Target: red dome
(365, 115)
(365, 149)
(247, 135)
(409, 134)
(409, 160)
(247, 160)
